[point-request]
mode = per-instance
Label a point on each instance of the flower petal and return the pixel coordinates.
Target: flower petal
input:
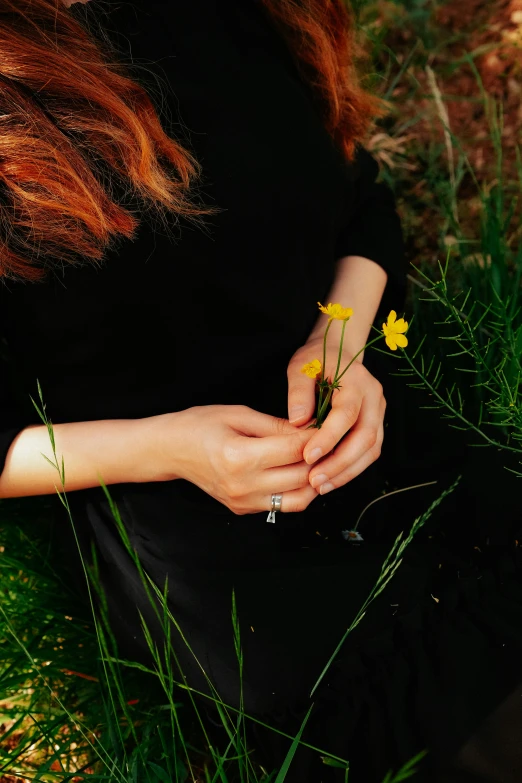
(391, 318)
(400, 326)
(339, 312)
(312, 369)
(390, 342)
(401, 340)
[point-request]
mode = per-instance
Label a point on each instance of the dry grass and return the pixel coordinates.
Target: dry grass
(436, 63)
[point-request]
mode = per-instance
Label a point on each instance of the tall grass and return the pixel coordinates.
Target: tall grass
(468, 310)
(76, 711)
(465, 294)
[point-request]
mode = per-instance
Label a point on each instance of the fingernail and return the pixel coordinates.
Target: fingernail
(326, 488)
(314, 455)
(320, 479)
(296, 413)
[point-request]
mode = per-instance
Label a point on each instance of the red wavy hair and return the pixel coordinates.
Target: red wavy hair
(73, 123)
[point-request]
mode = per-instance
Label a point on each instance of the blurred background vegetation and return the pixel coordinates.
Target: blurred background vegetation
(452, 73)
(437, 62)
(450, 151)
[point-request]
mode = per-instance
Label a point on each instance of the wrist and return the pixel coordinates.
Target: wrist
(159, 446)
(359, 283)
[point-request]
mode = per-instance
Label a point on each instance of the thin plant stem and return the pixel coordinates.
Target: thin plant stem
(359, 353)
(389, 494)
(322, 368)
(455, 412)
(324, 406)
(340, 351)
(389, 567)
(65, 502)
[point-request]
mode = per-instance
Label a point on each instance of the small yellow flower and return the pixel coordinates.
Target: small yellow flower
(394, 332)
(312, 369)
(336, 311)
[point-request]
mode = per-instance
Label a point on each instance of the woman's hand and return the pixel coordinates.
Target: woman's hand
(235, 454)
(357, 407)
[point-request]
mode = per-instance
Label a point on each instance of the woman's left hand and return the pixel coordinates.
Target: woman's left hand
(358, 408)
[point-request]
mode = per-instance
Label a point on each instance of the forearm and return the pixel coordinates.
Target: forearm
(118, 450)
(359, 283)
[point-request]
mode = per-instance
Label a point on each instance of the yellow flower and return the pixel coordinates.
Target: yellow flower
(312, 369)
(394, 332)
(336, 311)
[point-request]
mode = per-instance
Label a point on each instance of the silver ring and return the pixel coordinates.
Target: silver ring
(277, 501)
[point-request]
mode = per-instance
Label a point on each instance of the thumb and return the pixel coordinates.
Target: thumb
(301, 397)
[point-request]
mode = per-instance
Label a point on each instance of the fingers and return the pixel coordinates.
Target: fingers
(248, 421)
(345, 412)
(284, 479)
(295, 501)
(276, 450)
(301, 395)
(353, 470)
(361, 447)
(291, 482)
(365, 436)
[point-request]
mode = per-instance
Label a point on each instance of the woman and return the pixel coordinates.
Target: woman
(162, 287)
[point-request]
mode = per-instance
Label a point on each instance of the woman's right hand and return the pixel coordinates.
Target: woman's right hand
(237, 455)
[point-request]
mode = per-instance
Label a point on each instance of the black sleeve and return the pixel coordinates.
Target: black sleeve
(12, 418)
(374, 230)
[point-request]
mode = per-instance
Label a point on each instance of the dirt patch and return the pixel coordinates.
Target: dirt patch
(450, 57)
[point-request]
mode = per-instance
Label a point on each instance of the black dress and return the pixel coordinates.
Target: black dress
(128, 341)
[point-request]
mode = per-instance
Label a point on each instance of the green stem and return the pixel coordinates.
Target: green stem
(387, 495)
(319, 401)
(447, 404)
(322, 406)
(322, 367)
(325, 405)
(358, 354)
(340, 351)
